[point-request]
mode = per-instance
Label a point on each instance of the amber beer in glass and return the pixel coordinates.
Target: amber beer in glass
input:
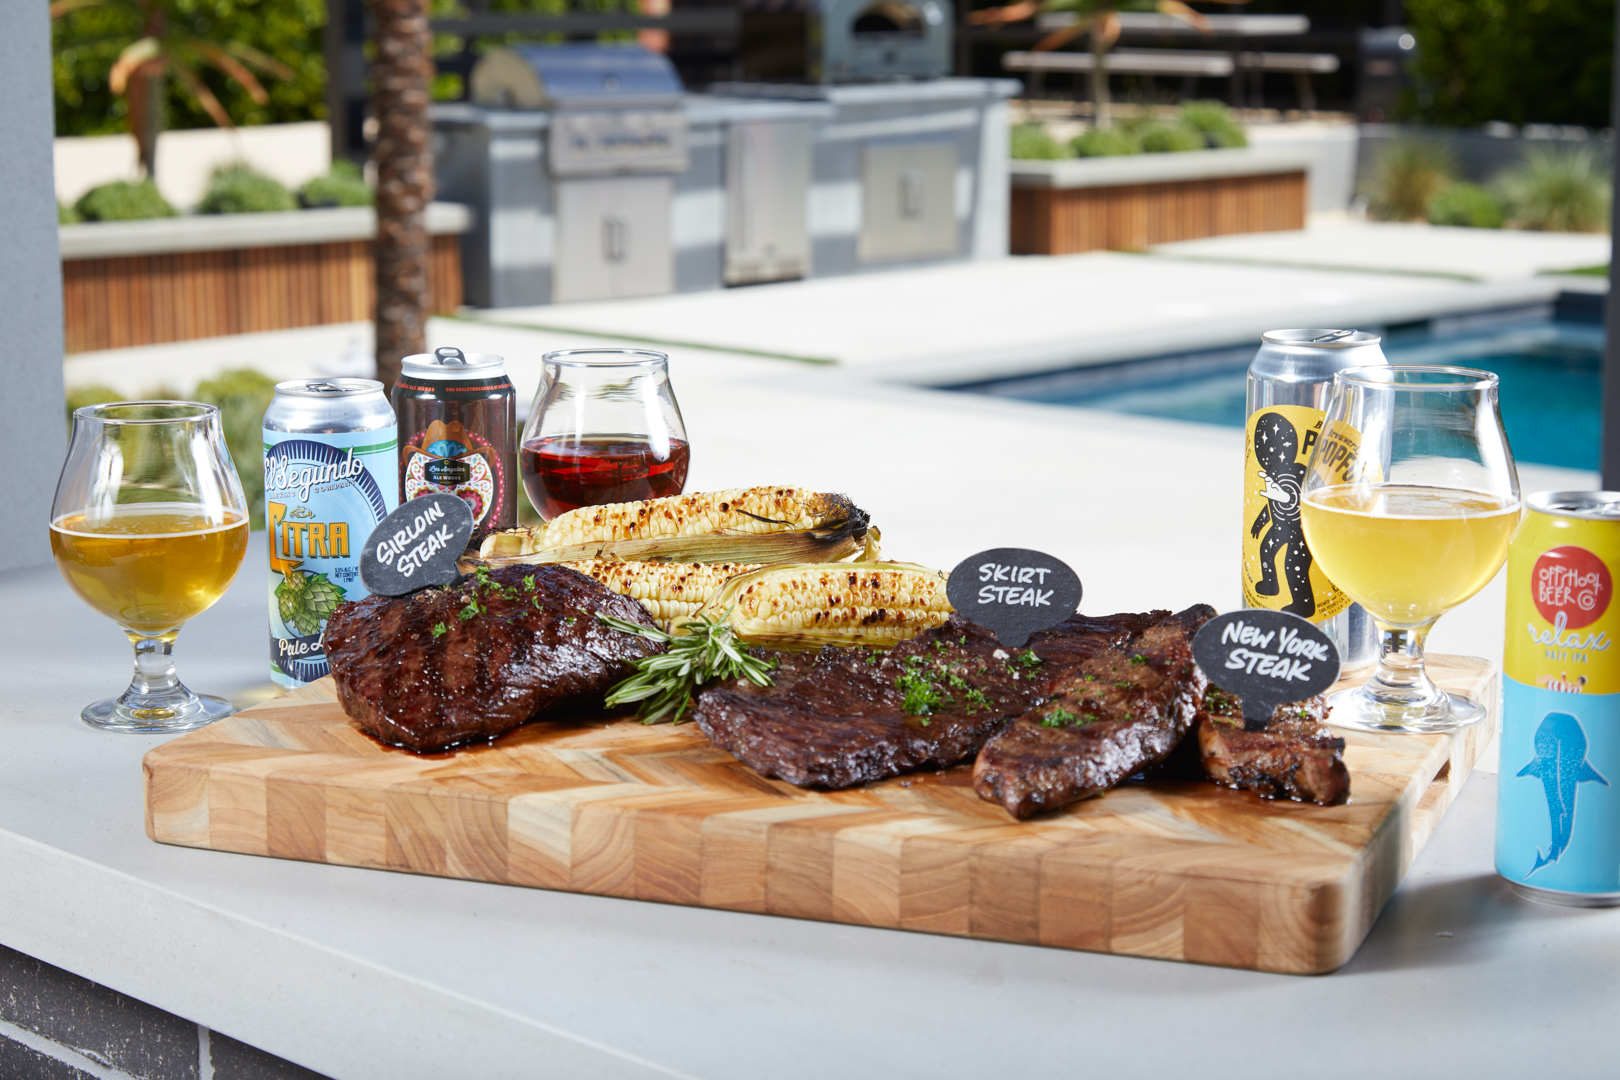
(149, 528)
(1410, 501)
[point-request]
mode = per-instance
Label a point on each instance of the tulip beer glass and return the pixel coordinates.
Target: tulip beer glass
(149, 526)
(1409, 503)
(604, 428)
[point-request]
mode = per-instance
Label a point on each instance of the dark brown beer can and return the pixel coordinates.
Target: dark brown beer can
(458, 433)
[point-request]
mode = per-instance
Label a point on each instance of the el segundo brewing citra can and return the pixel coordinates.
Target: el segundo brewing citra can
(1289, 381)
(458, 433)
(1558, 789)
(331, 453)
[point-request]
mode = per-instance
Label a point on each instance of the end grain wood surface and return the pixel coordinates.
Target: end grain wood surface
(1176, 870)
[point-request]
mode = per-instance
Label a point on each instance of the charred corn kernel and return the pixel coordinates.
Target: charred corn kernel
(832, 604)
(667, 590)
(759, 525)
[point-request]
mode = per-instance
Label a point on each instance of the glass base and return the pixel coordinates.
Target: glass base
(169, 715)
(1356, 708)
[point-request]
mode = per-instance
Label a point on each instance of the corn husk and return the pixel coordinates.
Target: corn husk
(806, 606)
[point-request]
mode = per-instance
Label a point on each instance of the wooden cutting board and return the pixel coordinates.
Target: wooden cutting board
(1181, 871)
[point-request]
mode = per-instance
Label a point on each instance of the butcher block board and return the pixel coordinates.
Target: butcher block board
(1176, 870)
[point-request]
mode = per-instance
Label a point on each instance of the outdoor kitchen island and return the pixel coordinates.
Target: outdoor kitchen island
(358, 973)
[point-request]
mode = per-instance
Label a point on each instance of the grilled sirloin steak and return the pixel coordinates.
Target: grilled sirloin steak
(530, 645)
(1294, 757)
(838, 718)
(1117, 712)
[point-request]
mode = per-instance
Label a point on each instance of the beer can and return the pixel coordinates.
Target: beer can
(331, 453)
(1289, 381)
(458, 433)
(1558, 788)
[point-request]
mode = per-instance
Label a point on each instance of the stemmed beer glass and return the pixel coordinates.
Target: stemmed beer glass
(1410, 501)
(149, 527)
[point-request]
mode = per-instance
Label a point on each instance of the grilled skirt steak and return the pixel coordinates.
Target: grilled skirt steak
(1120, 710)
(840, 717)
(469, 662)
(1294, 757)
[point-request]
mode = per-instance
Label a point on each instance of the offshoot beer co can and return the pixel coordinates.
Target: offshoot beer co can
(1558, 791)
(1289, 381)
(458, 433)
(331, 455)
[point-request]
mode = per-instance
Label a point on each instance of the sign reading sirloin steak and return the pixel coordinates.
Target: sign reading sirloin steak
(1267, 658)
(1013, 592)
(417, 545)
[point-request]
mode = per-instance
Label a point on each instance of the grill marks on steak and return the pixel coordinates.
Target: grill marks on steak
(1294, 757)
(838, 718)
(1120, 710)
(529, 650)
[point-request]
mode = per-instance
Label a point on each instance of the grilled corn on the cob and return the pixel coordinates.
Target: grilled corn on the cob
(755, 525)
(667, 590)
(810, 605)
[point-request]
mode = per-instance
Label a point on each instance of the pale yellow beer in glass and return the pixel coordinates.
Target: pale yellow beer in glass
(1410, 509)
(149, 527)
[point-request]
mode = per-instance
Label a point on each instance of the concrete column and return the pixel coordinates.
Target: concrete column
(30, 287)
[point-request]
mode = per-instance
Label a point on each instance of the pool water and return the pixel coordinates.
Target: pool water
(1551, 391)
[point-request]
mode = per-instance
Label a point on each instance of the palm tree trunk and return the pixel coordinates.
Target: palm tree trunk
(404, 157)
(145, 99)
(1099, 80)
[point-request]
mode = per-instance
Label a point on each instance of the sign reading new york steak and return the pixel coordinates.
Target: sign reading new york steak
(416, 545)
(1267, 658)
(1013, 592)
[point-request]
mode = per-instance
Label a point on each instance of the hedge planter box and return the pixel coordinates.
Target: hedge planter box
(142, 282)
(1128, 203)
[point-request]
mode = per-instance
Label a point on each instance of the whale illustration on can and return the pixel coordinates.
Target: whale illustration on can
(1561, 765)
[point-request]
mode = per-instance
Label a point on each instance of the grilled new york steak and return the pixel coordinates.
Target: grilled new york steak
(839, 717)
(1118, 711)
(414, 672)
(1295, 756)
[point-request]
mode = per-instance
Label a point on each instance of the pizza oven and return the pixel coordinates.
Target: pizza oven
(839, 41)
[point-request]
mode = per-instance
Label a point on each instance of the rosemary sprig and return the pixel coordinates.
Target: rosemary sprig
(664, 684)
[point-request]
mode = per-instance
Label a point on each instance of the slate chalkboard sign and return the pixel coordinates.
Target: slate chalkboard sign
(417, 545)
(1013, 592)
(1267, 658)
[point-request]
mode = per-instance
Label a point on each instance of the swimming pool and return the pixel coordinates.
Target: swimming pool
(1550, 372)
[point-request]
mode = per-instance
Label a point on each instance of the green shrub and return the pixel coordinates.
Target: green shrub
(1559, 190)
(1214, 120)
(66, 215)
(94, 394)
(344, 185)
(240, 189)
(1177, 138)
(1408, 175)
(1105, 142)
(1031, 142)
(1467, 204)
(242, 396)
(123, 200)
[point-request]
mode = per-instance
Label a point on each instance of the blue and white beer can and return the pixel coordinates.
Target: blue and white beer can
(1558, 791)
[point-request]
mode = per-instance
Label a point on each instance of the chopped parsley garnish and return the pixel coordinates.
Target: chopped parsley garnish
(922, 697)
(1058, 717)
(470, 610)
(1138, 660)
(955, 681)
(568, 620)
(1029, 660)
(976, 697)
(528, 583)
(440, 630)
(1122, 686)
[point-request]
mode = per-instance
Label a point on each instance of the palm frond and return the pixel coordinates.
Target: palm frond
(1010, 13)
(232, 67)
(136, 54)
(261, 60)
(1059, 38)
(205, 97)
(64, 7)
(1177, 10)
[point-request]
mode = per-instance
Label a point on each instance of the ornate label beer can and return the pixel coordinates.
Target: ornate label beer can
(1558, 791)
(1289, 381)
(458, 428)
(331, 455)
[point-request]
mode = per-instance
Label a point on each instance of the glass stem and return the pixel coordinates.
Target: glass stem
(155, 683)
(1400, 681)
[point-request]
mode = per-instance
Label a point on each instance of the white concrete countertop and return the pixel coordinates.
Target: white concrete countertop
(218, 232)
(1155, 168)
(361, 974)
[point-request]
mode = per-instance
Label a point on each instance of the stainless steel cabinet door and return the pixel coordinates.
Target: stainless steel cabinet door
(613, 238)
(908, 201)
(767, 202)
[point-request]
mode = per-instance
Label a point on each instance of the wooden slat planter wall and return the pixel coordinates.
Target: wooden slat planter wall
(113, 303)
(1129, 217)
